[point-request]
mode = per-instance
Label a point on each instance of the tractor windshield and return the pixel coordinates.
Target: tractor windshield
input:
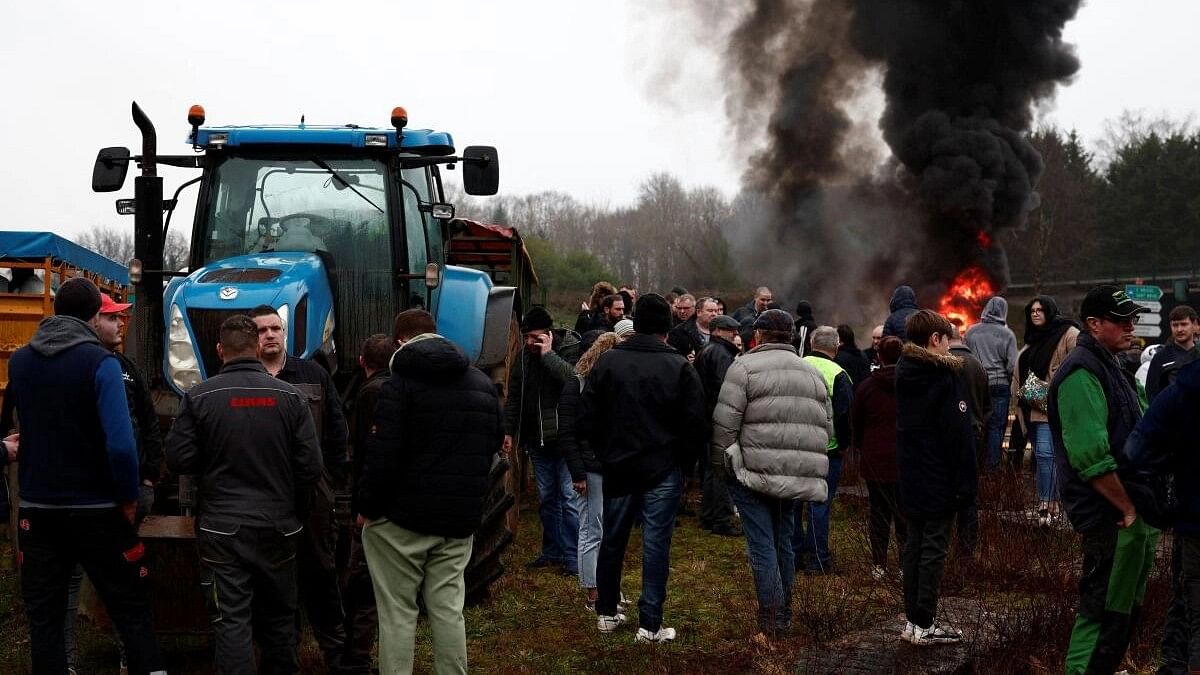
(264, 204)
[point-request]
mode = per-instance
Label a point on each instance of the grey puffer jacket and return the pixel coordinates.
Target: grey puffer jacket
(772, 424)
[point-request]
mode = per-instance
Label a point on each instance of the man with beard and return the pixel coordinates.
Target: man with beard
(319, 591)
(1093, 408)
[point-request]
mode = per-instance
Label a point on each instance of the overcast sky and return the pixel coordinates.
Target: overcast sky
(569, 91)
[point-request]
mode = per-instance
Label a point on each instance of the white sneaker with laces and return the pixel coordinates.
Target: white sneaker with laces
(607, 624)
(943, 634)
(663, 635)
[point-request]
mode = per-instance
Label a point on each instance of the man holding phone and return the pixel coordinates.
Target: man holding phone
(531, 422)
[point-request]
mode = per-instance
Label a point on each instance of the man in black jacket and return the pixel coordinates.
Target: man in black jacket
(853, 361)
(531, 422)
(935, 454)
(1174, 354)
(976, 378)
(319, 591)
(252, 445)
(690, 336)
(358, 595)
(437, 428)
(716, 506)
(643, 412)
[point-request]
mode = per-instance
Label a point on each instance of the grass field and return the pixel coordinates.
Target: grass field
(536, 621)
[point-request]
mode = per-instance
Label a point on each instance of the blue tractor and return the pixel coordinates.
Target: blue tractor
(338, 228)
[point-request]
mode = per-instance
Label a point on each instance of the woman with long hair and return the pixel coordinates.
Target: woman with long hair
(1049, 337)
(584, 468)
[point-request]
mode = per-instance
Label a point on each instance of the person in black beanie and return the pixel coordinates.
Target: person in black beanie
(531, 422)
(642, 410)
(78, 482)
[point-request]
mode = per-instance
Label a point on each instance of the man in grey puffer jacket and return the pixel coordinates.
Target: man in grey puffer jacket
(771, 429)
(993, 343)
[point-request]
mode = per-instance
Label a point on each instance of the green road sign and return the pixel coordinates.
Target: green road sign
(1139, 292)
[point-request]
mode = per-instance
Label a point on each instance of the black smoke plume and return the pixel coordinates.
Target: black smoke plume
(960, 80)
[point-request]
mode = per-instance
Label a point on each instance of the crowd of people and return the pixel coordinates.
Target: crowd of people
(648, 396)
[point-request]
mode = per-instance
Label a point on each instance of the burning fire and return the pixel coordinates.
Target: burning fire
(963, 301)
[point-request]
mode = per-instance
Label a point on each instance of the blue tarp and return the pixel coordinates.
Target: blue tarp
(37, 245)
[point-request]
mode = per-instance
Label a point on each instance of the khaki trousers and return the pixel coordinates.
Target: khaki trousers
(404, 564)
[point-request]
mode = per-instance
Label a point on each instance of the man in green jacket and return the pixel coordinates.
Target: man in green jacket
(1093, 407)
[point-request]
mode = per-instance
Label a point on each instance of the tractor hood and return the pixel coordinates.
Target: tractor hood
(295, 284)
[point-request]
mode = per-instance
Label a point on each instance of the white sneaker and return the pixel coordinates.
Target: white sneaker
(934, 635)
(878, 573)
(907, 633)
(622, 604)
(607, 624)
(663, 635)
(943, 634)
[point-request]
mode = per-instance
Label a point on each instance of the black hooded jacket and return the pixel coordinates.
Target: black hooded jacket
(903, 305)
(643, 412)
(437, 430)
(935, 449)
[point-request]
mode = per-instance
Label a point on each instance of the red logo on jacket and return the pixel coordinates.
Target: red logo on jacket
(252, 402)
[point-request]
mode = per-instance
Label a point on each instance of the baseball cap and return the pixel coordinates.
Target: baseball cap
(1107, 300)
(723, 322)
(110, 306)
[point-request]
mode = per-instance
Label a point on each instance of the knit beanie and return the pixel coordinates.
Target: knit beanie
(537, 318)
(79, 298)
(652, 315)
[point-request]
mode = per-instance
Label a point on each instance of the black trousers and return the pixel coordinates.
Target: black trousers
(248, 577)
(317, 568)
(51, 542)
(1190, 582)
(884, 514)
(1174, 660)
(924, 562)
(362, 620)
(716, 505)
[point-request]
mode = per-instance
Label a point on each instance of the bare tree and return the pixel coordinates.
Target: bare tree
(117, 244)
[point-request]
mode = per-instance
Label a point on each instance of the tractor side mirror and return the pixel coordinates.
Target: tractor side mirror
(108, 175)
(481, 170)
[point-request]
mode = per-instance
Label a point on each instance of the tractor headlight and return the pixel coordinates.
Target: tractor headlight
(182, 365)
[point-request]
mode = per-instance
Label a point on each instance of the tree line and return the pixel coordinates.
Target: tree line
(1130, 208)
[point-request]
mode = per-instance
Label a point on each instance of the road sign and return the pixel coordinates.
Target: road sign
(1147, 330)
(1138, 292)
(1149, 319)
(1151, 305)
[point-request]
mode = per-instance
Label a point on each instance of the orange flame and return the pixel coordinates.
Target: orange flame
(984, 239)
(963, 301)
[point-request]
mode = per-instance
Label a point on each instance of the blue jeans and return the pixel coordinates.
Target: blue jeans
(558, 506)
(591, 529)
(996, 423)
(1043, 450)
(658, 507)
(767, 524)
(814, 543)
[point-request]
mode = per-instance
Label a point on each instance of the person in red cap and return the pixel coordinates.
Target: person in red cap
(108, 324)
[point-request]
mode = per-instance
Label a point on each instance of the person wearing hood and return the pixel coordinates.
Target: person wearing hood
(1049, 338)
(995, 345)
(873, 430)
(902, 305)
(935, 456)
(805, 325)
(850, 358)
(535, 384)
(78, 482)
(438, 423)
